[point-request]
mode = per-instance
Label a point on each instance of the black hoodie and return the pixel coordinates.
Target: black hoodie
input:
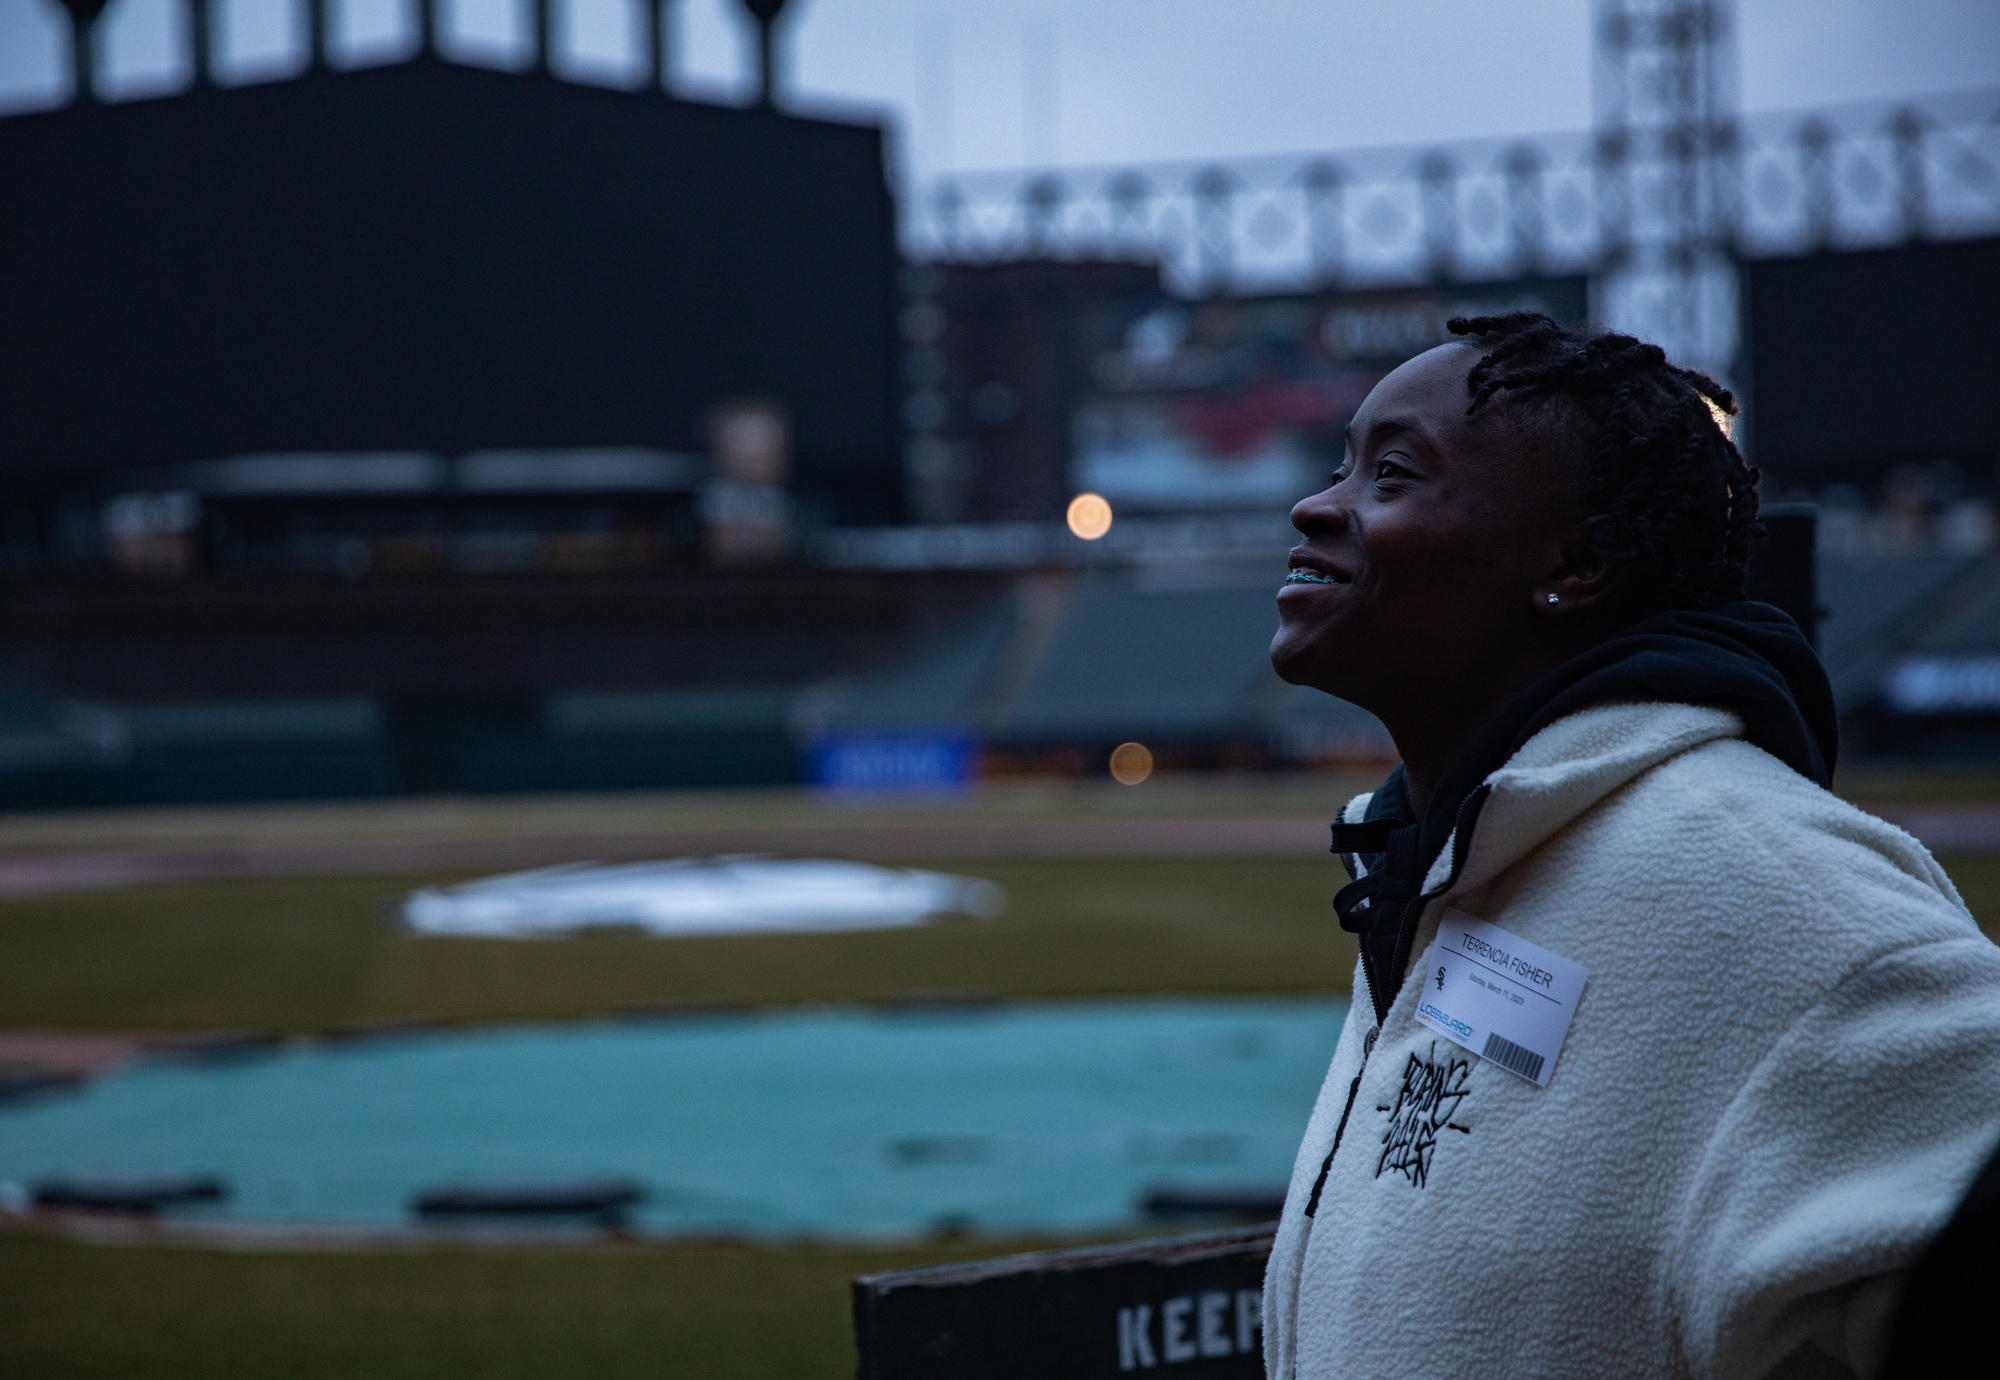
(1746, 657)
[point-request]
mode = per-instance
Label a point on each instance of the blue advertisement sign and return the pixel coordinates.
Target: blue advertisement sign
(895, 763)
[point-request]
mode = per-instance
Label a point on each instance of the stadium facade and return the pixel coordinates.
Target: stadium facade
(431, 429)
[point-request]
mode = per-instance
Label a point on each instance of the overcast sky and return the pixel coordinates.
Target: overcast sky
(1003, 83)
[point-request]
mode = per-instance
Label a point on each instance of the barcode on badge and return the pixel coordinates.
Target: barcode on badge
(1512, 1057)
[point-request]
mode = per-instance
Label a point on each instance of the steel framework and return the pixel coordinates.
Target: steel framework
(1847, 177)
(1664, 92)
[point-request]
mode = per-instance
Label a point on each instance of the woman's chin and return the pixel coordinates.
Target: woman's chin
(1298, 657)
(1324, 654)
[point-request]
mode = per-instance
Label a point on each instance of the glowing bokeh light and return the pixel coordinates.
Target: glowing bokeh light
(1089, 516)
(1131, 763)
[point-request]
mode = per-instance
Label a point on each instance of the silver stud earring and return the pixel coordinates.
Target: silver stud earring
(1552, 598)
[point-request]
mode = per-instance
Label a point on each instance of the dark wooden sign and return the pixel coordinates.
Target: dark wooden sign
(1192, 1305)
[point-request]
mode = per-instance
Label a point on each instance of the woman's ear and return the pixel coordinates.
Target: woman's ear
(1582, 576)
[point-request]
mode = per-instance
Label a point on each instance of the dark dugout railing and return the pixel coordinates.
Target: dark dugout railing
(1850, 177)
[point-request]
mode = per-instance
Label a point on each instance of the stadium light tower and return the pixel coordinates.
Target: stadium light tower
(545, 36)
(201, 41)
(1665, 98)
(766, 13)
(83, 45)
(659, 42)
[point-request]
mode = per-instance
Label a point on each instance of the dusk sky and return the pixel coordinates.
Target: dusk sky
(1002, 83)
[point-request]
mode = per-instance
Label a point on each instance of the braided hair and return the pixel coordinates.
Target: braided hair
(1678, 500)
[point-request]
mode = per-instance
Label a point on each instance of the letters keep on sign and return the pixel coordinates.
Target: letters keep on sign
(1215, 1322)
(1499, 996)
(1184, 1307)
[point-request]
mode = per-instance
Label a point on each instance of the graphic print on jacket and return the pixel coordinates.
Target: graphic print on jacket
(1432, 1092)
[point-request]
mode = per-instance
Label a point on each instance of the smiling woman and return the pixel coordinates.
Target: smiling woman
(1653, 948)
(1518, 533)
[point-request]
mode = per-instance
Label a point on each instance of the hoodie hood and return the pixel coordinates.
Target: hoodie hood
(1747, 658)
(1561, 773)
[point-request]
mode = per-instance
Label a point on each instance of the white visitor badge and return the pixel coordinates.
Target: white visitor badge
(1499, 996)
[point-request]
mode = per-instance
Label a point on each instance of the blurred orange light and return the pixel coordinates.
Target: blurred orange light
(1090, 518)
(1131, 763)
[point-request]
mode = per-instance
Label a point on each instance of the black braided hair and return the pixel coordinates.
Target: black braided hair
(1678, 499)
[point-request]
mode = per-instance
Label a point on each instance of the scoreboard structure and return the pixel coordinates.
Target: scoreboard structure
(428, 258)
(1864, 360)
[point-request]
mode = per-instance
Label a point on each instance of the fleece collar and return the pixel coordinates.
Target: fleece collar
(1563, 771)
(1555, 775)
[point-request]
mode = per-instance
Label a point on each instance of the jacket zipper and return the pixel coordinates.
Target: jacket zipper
(1353, 1089)
(1462, 825)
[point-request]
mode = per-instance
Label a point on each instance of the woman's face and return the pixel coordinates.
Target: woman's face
(1431, 555)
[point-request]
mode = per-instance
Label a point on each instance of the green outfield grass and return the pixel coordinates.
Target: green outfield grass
(1978, 881)
(306, 954)
(302, 954)
(703, 1312)
(312, 953)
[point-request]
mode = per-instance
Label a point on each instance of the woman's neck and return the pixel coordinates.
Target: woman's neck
(1431, 736)
(1428, 753)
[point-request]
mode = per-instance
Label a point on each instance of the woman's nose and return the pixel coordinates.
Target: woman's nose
(1321, 513)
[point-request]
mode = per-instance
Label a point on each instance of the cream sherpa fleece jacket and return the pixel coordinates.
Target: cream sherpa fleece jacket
(1782, 1072)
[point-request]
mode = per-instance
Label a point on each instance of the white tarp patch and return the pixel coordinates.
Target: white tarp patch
(698, 896)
